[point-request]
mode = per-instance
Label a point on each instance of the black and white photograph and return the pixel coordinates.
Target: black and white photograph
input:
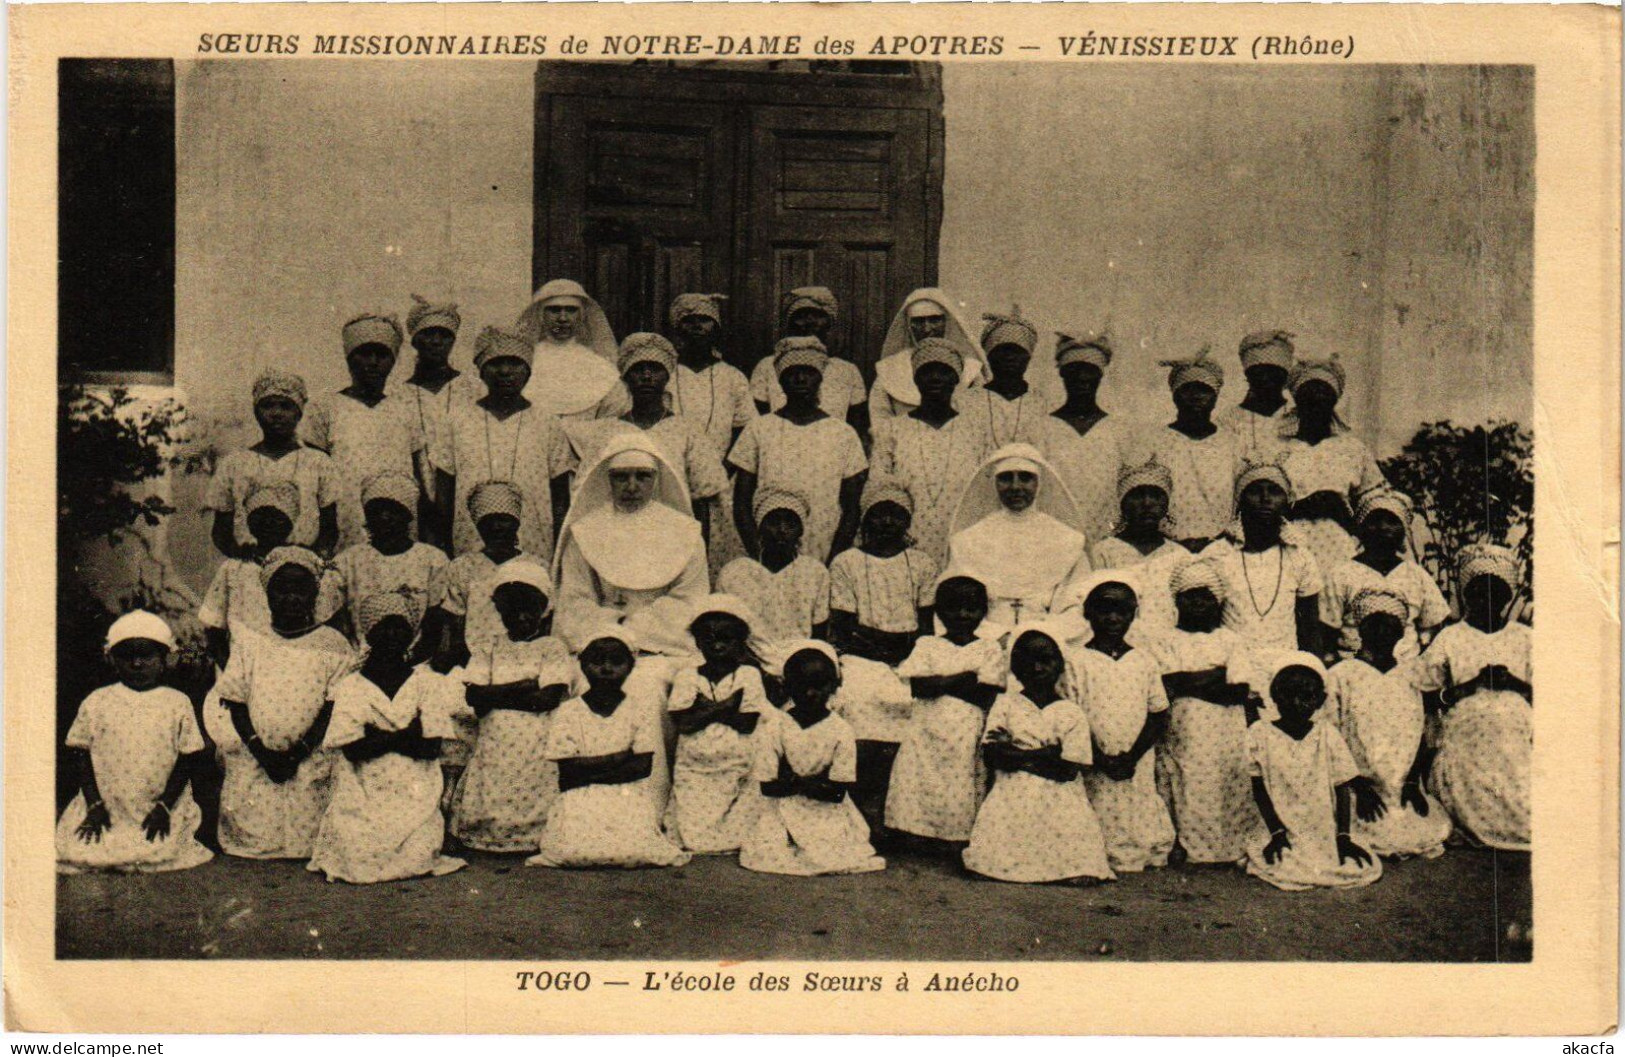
(811, 510)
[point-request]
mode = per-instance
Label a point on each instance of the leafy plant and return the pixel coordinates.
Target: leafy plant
(1470, 483)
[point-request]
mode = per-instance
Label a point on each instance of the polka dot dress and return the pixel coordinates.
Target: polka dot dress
(1119, 696)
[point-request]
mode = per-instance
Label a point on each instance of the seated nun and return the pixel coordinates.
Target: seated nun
(630, 551)
(926, 313)
(574, 368)
(1016, 530)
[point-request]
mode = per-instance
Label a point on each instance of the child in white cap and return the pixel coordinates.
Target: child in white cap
(135, 745)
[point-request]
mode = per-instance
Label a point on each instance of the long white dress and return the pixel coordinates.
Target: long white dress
(1302, 777)
(1380, 716)
(528, 449)
(714, 801)
(135, 738)
(1257, 438)
(795, 834)
(1032, 829)
(1485, 742)
(1119, 697)
(284, 683)
(1425, 606)
(1089, 464)
(787, 604)
(510, 782)
(1202, 760)
(938, 779)
(935, 463)
(604, 825)
(1342, 463)
(383, 820)
(364, 441)
(1204, 476)
(809, 460)
(717, 397)
(1261, 591)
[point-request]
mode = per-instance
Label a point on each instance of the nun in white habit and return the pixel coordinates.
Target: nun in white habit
(574, 369)
(1016, 530)
(926, 313)
(630, 551)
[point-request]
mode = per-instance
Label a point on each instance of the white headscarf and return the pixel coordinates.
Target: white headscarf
(1025, 555)
(895, 373)
(635, 552)
(574, 376)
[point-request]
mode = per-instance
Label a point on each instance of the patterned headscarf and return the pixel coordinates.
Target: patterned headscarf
(1328, 370)
(375, 607)
(275, 382)
(371, 328)
(1487, 559)
(1269, 347)
(685, 305)
(278, 495)
(1261, 470)
(283, 556)
(1151, 472)
(1008, 328)
(1085, 346)
(392, 485)
(1195, 573)
(1196, 368)
(494, 343)
(768, 499)
(495, 497)
(140, 624)
(885, 488)
(423, 315)
(1377, 600)
(646, 347)
(800, 352)
(1384, 497)
(819, 297)
(937, 350)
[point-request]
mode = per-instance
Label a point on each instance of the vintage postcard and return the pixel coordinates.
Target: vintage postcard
(956, 518)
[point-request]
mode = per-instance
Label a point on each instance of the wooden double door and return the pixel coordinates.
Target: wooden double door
(654, 180)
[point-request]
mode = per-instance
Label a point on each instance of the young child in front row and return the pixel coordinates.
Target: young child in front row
(515, 682)
(807, 764)
(1128, 711)
(269, 717)
(604, 746)
(938, 780)
(717, 705)
(383, 820)
(135, 745)
(1036, 824)
(1378, 709)
(1303, 783)
(1202, 761)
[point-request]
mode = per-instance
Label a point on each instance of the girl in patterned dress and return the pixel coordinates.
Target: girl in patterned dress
(268, 715)
(496, 508)
(1128, 711)
(236, 599)
(709, 390)
(1378, 709)
(1139, 544)
(879, 604)
(279, 406)
(1267, 358)
(1477, 672)
(810, 312)
(503, 436)
(367, 429)
(807, 765)
(1036, 824)
(134, 745)
(604, 745)
(383, 821)
(1383, 564)
(1084, 443)
(390, 561)
(938, 780)
(1327, 465)
(717, 703)
(1303, 782)
(786, 590)
(1013, 413)
(432, 389)
(515, 683)
(935, 447)
(801, 448)
(1201, 457)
